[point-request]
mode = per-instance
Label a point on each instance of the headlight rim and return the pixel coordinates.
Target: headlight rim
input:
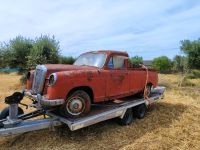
(54, 81)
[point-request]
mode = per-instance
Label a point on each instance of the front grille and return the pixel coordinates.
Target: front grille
(39, 79)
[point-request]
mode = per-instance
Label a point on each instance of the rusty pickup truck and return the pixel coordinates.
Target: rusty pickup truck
(95, 77)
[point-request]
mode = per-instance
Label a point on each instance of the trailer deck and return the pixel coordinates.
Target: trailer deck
(100, 112)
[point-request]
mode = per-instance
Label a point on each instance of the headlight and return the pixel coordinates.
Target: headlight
(52, 79)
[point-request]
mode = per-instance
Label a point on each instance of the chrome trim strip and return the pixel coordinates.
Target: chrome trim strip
(54, 102)
(44, 101)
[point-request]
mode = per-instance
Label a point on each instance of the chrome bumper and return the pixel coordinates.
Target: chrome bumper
(44, 101)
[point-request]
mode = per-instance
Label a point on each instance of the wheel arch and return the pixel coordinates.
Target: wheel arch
(87, 89)
(150, 83)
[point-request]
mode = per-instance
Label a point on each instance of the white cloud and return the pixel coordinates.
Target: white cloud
(149, 28)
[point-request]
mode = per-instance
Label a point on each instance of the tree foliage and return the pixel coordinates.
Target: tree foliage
(66, 60)
(192, 50)
(180, 63)
(25, 54)
(45, 50)
(135, 61)
(14, 53)
(4, 56)
(163, 64)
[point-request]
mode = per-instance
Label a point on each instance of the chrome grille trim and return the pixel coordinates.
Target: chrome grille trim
(39, 79)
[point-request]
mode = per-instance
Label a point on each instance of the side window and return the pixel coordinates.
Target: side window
(116, 62)
(110, 63)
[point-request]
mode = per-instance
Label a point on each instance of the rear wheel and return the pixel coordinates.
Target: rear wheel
(140, 111)
(77, 104)
(127, 119)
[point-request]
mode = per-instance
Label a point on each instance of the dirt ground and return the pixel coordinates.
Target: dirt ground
(173, 123)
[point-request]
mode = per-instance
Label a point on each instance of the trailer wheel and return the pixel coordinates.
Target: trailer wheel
(140, 111)
(77, 104)
(127, 119)
(5, 112)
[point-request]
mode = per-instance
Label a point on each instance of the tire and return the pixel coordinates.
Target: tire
(77, 104)
(127, 119)
(140, 111)
(5, 112)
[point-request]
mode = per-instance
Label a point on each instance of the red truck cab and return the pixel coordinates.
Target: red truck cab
(95, 77)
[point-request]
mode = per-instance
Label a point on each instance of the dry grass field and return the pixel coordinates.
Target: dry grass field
(173, 123)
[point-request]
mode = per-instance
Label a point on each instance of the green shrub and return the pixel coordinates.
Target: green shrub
(186, 82)
(163, 64)
(195, 74)
(66, 60)
(135, 61)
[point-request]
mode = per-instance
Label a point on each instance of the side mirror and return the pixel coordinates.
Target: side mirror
(110, 65)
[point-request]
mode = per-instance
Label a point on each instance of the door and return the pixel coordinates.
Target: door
(118, 78)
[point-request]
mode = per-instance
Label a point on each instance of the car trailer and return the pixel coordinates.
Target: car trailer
(124, 110)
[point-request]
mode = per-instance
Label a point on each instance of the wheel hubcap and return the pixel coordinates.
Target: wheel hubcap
(75, 105)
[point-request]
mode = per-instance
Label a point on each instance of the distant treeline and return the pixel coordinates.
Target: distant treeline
(24, 54)
(188, 62)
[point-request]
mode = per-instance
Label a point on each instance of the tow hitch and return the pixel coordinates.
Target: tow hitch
(13, 114)
(13, 102)
(14, 121)
(15, 117)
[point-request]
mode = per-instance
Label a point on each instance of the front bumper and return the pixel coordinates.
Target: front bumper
(43, 100)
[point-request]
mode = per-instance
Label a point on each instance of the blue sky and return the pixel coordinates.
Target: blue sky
(148, 28)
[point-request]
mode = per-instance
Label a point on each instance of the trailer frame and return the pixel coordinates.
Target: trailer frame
(100, 112)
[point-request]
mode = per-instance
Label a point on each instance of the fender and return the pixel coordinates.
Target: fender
(68, 80)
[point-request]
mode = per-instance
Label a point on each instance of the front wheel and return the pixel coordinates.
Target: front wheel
(77, 104)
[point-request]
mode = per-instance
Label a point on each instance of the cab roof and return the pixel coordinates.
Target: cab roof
(109, 52)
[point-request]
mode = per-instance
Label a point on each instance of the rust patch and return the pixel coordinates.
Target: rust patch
(89, 75)
(121, 77)
(118, 79)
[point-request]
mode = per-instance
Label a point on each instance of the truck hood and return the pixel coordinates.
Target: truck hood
(51, 68)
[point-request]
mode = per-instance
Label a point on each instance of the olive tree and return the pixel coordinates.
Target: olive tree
(192, 51)
(163, 64)
(180, 63)
(45, 50)
(14, 53)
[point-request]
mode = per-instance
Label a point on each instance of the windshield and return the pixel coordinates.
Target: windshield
(91, 59)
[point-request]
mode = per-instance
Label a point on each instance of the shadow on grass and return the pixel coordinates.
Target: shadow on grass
(104, 135)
